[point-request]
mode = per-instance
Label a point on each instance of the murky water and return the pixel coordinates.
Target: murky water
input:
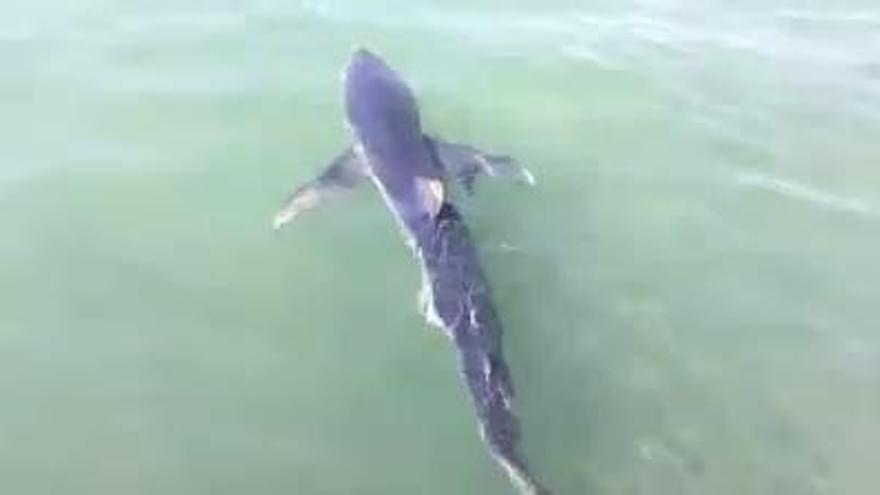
(690, 291)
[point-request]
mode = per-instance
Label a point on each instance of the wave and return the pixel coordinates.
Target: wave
(831, 17)
(796, 190)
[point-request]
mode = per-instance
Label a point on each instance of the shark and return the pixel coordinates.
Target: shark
(415, 172)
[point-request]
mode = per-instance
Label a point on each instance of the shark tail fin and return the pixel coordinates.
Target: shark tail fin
(489, 383)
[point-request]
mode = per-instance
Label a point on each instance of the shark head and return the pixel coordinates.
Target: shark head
(384, 116)
(381, 108)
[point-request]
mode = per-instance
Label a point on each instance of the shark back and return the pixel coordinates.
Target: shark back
(461, 303)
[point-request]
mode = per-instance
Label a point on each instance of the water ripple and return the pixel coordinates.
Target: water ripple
(796, 190)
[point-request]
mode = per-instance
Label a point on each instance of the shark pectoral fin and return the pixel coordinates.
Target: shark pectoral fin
(304, 198)
(343, 174)
(465, 162)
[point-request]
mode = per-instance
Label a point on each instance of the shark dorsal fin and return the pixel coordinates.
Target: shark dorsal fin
(432, 194)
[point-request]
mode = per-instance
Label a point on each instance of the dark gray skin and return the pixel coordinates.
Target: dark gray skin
(410, 169)
(384, 119)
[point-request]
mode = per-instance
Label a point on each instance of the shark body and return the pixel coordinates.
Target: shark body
(412, 171)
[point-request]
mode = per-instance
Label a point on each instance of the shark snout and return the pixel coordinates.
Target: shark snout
(365, 64)
(362, 55)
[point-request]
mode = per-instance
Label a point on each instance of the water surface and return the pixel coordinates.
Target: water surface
(689, 292)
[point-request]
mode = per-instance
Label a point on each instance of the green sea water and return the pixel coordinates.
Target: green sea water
(689, 292)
